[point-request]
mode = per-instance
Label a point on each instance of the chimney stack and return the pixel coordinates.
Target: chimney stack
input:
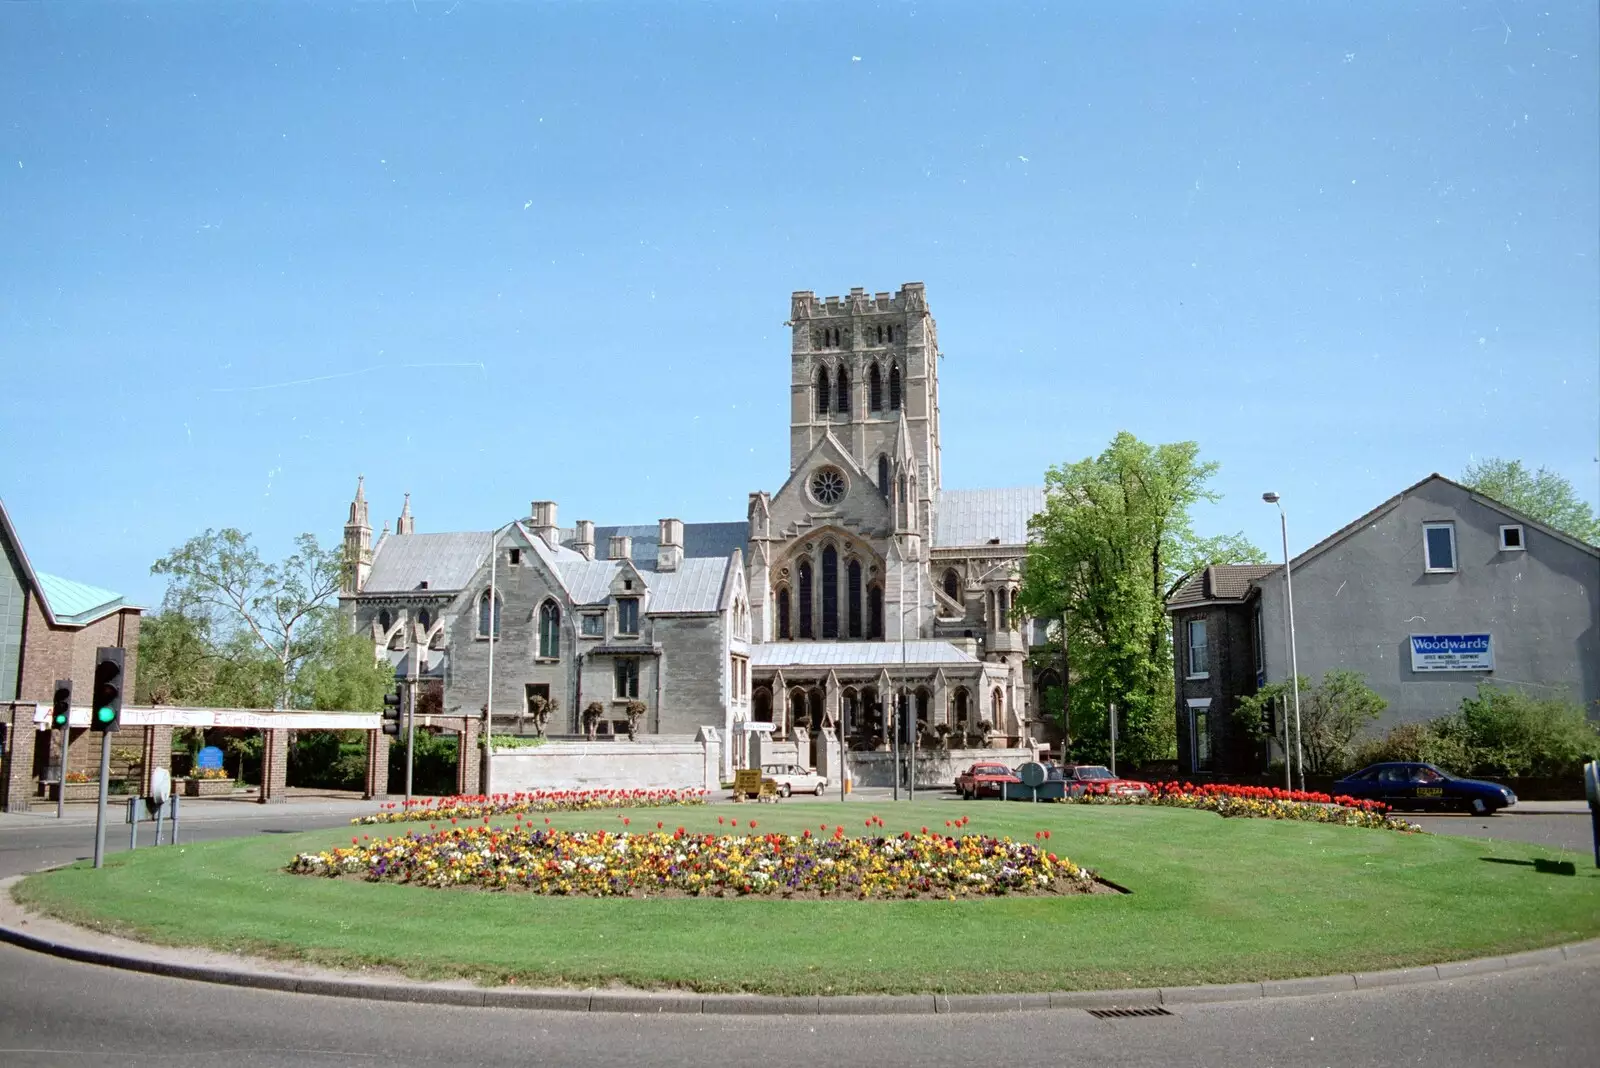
(621, 547)
(669, 553)
(584, 542)
(544, 522)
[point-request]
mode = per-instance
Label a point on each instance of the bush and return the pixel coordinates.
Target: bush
(1508, 732)
(328, 760)
(433, 767)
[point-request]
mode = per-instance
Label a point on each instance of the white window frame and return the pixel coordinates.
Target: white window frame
(1188, 636)
(1199, 704)
(1522, 538)
(1427, 555)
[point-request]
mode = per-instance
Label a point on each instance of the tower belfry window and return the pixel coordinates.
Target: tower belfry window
(874, 388)
(883, 474)
(822, 391)
(894, 389)
(842, 399)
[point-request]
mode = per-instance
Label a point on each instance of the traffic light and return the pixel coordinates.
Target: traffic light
(61, 715)
(392, 703)
(105, 713)
(902, 721)
(1269, 719)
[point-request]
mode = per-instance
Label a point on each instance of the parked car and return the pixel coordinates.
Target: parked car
(1081, 778)
(792, 778)
(982, 779)
(1423, 786)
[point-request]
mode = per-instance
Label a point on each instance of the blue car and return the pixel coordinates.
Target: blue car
(1423, 786)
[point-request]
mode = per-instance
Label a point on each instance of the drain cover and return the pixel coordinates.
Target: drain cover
(1114, 1014)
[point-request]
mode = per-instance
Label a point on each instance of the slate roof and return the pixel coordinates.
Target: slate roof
(1219, 582)
(973, 517)
(402, 562)
(699, 540)
(696, 587)
(855, 654)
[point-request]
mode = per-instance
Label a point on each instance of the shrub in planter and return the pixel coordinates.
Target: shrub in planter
(635, 711)
(591, 717)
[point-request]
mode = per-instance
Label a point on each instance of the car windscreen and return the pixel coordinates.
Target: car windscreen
(1093, 773)
(991, 769)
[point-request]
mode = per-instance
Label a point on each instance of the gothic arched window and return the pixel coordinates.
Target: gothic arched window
(853, 593)
(830, 592)
(424, 619)
(952, 585)
(883, 474)
(550, 629)
(384, 622)
(894, 388)
(784, 631)
(484, 602)
(999, 707)
(874, 388)
(805, 599)
(875, 612)
(841, 401)
(822, 391)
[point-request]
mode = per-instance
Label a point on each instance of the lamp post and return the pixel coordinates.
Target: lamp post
(1294, 660)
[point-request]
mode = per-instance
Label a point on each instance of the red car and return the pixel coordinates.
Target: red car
(981, 779)
(1096, 778)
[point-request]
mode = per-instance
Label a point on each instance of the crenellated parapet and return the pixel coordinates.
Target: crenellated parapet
(909, 299)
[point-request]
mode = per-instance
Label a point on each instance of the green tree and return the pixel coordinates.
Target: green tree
(1114, 536)
(1332, 714)
(177, 664)
(340, 673)
(1542, 495)
(1507, 732)
(262, 612)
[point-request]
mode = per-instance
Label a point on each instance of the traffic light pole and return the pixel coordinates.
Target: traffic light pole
(105, 784)
(61, 777)
(411, 731)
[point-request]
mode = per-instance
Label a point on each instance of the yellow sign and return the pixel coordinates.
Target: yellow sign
(1430, 791)
(747, 781)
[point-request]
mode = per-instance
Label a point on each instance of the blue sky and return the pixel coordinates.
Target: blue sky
(494, 252)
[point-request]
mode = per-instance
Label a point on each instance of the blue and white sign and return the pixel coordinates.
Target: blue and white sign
(208, 758)
(1452, 652)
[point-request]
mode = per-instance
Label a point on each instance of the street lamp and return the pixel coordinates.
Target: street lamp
(1294, 661)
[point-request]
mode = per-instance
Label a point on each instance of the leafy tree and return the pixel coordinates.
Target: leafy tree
(1332, 714)
(264, 615)
(340, 673)
(1542, 494)
(176, 662)
(1508, 732)
(1115, 535)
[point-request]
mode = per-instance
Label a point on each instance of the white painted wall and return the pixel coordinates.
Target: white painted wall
(610, 766)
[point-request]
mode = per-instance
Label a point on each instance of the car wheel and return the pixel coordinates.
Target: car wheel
(820, 787)
(784, 790)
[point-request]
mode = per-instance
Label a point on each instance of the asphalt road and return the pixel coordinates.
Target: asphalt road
(1540, 1016)
(1533, 1017)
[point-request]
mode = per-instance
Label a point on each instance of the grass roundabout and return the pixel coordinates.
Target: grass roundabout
(1212, 900)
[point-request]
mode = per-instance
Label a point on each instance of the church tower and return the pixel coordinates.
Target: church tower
(862, 367)
(357, 543)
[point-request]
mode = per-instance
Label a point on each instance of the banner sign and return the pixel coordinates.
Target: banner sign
(1452, 652)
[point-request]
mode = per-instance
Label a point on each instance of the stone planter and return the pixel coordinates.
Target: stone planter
(76, 791)
(207, 787)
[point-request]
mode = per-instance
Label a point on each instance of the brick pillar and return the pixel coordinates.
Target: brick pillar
(377, 784)
(468, 758)
(157, 754)
(274, 766)
(17, 784)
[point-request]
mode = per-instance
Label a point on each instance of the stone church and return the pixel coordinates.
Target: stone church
(859, 578)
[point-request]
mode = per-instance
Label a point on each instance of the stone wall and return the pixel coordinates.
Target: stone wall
(644, 765)
(694, 675)
(935, 768)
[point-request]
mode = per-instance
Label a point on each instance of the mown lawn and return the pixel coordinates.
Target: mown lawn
(1213, 901)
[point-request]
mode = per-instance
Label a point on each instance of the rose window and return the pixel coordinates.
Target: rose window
(827, 486)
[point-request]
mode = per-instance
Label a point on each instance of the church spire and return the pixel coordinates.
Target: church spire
(405, 524)
(357, 543)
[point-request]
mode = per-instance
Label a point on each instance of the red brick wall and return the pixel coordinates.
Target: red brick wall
(50, 653)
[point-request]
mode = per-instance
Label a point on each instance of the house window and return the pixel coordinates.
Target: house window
(484, 602)
(805, 599)
(830, 592)
(1439, 546)
(1199, 652)
(841, 400)
(594, 625)
(894, 389)
(627, 678)
(516, 557)
(627, 615)
(875, 388)
(1511, 538)
(822, 391)
(783, 614)
(853, 591)
(550, 630)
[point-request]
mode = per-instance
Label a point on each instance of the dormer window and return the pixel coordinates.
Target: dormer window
(516, 557)
(627, 615)
(627, 584)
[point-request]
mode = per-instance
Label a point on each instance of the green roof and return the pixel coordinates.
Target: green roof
(75, 603)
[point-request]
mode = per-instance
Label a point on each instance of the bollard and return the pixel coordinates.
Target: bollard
(133, 823)
(1591, 788)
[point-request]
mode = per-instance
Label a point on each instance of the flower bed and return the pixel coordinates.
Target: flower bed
(1262, 802)
(470, 807)
(676, 863)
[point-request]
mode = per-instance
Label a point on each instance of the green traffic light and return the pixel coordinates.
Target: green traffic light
(105, 715)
